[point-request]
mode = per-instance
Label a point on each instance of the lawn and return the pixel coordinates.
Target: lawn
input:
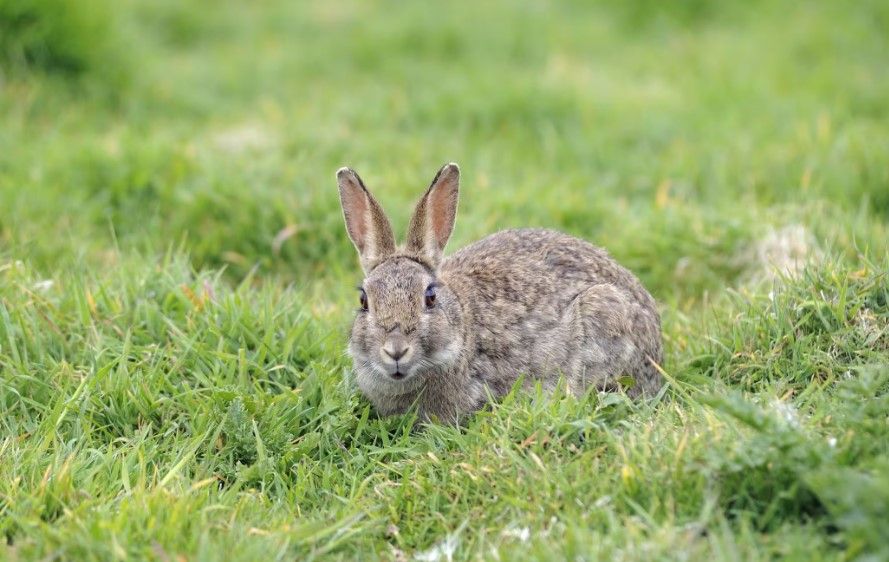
(176, 283)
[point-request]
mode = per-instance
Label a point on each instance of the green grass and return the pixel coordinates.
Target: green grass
(176, 284)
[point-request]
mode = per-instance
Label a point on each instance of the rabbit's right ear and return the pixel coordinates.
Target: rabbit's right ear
(366, 223)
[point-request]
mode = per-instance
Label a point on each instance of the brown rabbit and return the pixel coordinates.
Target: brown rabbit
(445, 333)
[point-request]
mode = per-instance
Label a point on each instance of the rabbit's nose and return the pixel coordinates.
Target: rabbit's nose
(394, 352)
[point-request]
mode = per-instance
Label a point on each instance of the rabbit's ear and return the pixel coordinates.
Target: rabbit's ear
(366, 223)
(433, 220)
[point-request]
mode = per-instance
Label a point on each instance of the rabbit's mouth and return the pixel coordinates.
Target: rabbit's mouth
(401, 372)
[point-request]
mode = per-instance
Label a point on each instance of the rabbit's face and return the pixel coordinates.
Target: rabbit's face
(408, 326)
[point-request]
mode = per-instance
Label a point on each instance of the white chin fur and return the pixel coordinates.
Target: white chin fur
(374, 378)
(375, 381)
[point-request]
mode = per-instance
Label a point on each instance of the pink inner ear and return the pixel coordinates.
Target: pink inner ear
(356, 211)
(441, 203)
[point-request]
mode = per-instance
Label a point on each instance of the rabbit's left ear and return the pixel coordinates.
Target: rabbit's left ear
(433, 220)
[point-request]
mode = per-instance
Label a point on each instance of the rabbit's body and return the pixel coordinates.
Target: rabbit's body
(527, 302)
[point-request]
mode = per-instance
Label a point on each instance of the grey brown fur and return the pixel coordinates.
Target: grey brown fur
(529, 302)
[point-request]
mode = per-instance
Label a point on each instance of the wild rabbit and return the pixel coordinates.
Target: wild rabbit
(445, 333)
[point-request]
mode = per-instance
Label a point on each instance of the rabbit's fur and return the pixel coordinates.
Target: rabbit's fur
(529, 302)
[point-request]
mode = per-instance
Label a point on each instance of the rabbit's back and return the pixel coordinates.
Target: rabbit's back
(544, 304)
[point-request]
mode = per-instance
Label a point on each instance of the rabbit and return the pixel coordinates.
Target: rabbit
(445, 334)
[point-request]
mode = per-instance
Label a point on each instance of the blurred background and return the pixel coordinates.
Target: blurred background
(690, 138)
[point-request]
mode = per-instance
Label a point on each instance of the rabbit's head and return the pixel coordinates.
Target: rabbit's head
(409, 323)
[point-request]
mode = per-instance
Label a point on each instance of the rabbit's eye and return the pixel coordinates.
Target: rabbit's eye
(362, 298)
(430, 296)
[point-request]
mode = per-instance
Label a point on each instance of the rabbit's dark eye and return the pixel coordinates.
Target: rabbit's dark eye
(362, 298)
(430, 296)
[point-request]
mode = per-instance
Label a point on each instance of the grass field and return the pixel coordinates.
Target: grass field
(176, 284)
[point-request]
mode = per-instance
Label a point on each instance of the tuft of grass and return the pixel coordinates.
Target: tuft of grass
(819, 328)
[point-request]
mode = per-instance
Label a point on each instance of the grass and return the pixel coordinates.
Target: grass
(176, 283)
